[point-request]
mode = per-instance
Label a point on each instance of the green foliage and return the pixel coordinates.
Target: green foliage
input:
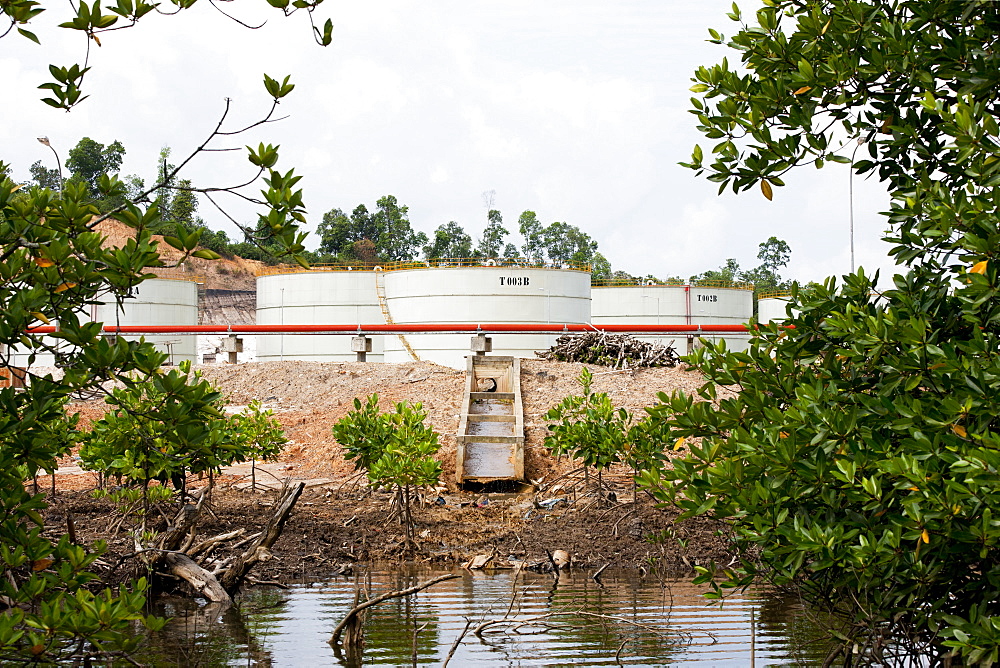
(396, 239)
(450, 241)
(560, 243)
(164, 171)
(64, 91)
(260, 434)
(364, 433)
(727, 274)
(859, 457)
(533, 232)
(619, 277)
(90, 160)
(53, 266)
(164, 428)
(491, 244)
(567, 243)
(43, 177)
(774, 254)
(386, 236)
(588, 427)
(172, 425)
(600, 268)
(184, 207)
(394, 448)
(766, 277)
(263, 435)
(55, 632)
(643, 448)
(387, 231)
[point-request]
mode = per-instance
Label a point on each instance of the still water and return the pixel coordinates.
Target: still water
(625, 619)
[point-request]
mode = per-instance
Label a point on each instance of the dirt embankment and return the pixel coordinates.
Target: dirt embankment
(338, 520)
(234, 273)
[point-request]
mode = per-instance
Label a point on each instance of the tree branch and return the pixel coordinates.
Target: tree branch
(335, 638)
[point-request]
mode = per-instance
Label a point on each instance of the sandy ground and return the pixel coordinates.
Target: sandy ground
(309, 397)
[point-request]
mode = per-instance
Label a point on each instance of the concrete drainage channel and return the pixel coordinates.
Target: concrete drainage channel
(490, 439)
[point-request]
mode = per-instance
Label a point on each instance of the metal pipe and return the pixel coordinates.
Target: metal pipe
(427, 328)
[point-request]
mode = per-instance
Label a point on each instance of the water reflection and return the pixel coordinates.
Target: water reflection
(526, 619)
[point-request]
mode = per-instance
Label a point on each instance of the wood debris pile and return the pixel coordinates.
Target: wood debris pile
(614, 350)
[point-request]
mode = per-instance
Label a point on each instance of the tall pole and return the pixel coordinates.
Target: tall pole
(850, 197)
(45, 141)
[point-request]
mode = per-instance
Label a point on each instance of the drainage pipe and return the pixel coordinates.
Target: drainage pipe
(431, 328)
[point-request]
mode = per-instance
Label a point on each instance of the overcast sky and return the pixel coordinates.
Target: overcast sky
(576, 110)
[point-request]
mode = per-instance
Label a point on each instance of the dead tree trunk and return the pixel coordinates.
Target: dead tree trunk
(184, 521)
(201, 580)
(260, 550)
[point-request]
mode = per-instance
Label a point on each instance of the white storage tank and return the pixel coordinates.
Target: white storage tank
(316, 297)
(654, 304)
(482, 295)
(771, 307)
(157, 301)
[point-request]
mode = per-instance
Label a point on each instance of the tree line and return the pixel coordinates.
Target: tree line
(384, 233)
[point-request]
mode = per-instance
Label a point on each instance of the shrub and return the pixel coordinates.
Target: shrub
(394, 448)
(163, 429)
(588, 427)
(261, 434)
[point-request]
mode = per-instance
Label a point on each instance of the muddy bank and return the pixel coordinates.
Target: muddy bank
(327, 532)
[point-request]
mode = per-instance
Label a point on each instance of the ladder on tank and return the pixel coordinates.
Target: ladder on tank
(380, 292)
(490, 439)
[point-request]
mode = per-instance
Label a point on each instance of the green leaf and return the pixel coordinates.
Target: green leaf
(174, 242)
(30, 35)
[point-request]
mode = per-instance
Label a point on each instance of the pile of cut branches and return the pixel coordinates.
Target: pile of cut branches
(615, 350)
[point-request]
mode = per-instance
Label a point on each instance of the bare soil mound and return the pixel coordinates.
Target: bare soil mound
(231, 273)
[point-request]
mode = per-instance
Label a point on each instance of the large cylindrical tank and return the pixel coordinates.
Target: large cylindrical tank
(482, 295)
(771, 308)
(157, 301)
(316, 297)
(652, 304)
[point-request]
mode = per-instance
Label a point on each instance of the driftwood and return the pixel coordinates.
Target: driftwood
(203, 582)
(179, 529)
(354, 634)
(260, 550)
(217, 581)
(335, 638)
(614, 350)
(458, 641)
(206, 546)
